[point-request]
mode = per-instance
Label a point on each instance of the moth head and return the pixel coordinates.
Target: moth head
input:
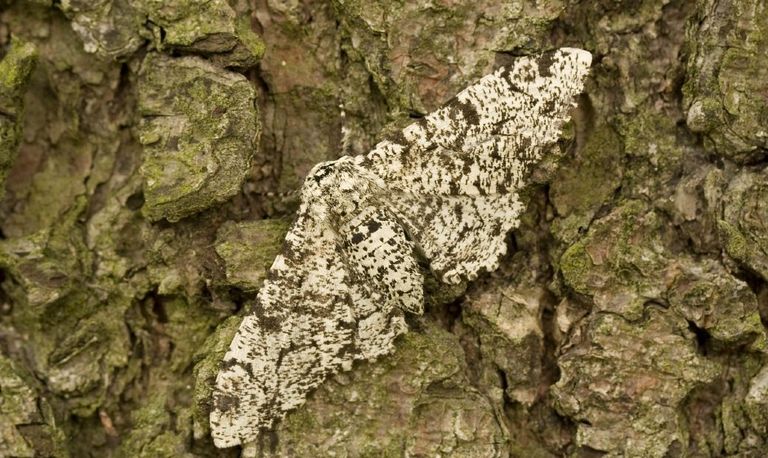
(340, 185)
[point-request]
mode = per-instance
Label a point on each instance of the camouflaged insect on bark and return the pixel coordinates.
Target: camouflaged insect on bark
(446, 187)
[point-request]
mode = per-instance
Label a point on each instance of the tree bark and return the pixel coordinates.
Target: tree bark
(147, 154)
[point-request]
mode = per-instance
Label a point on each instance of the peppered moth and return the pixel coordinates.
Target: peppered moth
(445, 189)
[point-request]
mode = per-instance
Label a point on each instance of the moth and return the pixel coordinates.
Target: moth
(444, 189)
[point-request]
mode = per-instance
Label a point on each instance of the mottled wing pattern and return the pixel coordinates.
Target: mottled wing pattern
(455, 175)
(337, 293)
(447, 186)
(300, 329)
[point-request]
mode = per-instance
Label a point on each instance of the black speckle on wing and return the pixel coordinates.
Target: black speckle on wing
(373, 226)
(546, 61)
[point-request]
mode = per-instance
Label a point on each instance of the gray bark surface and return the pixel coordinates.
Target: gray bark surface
(141, 142)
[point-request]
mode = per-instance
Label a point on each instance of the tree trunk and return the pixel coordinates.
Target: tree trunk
(147, 152)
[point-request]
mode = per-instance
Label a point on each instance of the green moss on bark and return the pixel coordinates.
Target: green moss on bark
(15, 72)
(27, 426)
(653, 221)
(199, 130)
(725, 69)
(248, 250)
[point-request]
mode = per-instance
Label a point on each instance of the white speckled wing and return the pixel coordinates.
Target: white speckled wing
(447, 186)
(455, 175)
(337, 293)
(294, 335)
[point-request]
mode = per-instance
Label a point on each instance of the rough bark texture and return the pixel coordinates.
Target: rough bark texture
(138, 140)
